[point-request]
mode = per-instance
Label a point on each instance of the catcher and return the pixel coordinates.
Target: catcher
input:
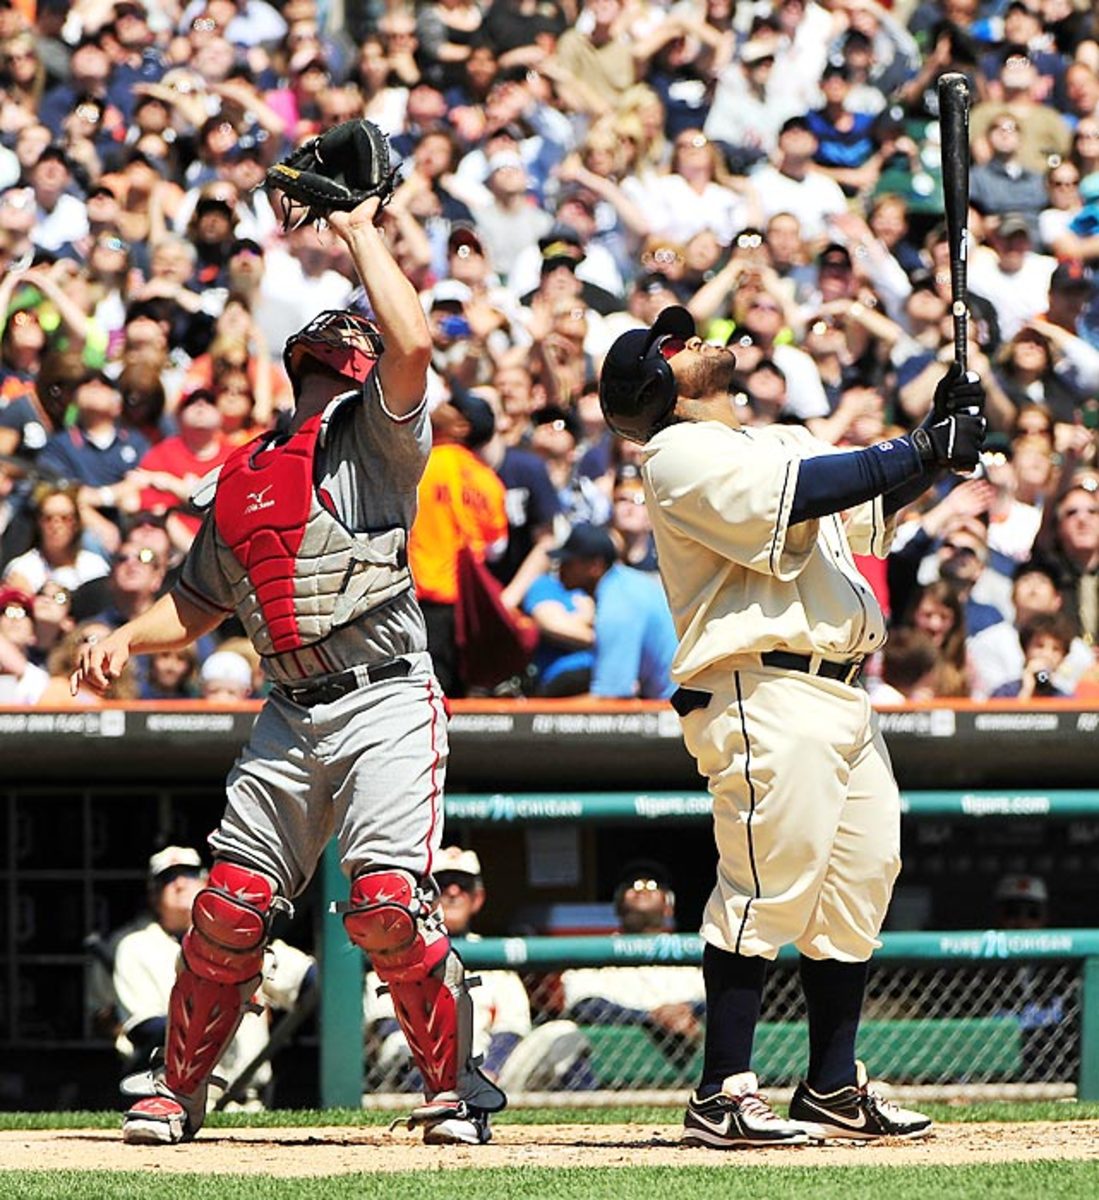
(305, 539)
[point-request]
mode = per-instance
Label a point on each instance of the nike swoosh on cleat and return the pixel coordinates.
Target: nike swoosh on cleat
(720, 1127)
(832, 1119)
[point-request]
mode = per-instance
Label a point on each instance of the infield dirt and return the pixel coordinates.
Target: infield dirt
(335, 1151)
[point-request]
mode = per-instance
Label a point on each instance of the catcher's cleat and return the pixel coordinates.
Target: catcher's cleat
(856, 1112)
(467, 1127)
(738, 1116)
(156, 1121)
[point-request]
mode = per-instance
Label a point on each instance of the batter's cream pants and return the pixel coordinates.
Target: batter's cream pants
(806, 813)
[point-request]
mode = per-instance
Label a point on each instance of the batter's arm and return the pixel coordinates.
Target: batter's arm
(170, 624)
(402, 368)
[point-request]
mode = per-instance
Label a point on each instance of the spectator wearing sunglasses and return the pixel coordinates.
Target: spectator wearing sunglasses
(21, 682)
(57, 554)
(1073, 549)
(137, 574)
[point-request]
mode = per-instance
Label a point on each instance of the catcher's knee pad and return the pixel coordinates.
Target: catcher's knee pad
(397, 923)
(230, 919)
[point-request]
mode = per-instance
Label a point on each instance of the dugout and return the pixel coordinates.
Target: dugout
(555, 796)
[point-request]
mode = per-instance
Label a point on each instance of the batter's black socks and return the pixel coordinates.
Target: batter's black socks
(833, 995)
(734, 991)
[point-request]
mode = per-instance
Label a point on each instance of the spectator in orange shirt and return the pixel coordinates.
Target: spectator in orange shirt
(461, 505)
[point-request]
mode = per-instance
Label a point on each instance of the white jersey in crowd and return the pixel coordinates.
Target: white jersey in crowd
(633, 987)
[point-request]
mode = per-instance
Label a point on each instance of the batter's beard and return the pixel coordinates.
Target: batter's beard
(708, 376)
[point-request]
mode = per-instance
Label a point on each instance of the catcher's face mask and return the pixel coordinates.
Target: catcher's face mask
(343, 341)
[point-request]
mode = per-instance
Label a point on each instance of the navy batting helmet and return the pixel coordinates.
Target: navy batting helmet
(637, 388)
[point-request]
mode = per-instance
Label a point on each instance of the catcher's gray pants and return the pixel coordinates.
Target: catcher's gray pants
(368, 768)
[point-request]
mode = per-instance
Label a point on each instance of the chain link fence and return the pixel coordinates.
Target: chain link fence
(640, 1028)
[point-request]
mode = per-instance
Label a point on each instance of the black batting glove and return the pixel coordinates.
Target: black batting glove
(958, 391)
(954, 443)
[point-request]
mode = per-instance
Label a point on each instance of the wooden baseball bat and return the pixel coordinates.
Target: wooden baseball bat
(953, 90)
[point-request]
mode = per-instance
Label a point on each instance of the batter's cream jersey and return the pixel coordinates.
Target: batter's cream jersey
(370, 464)
(740, 578)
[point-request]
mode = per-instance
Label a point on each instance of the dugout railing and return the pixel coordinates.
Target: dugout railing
(977, 1012)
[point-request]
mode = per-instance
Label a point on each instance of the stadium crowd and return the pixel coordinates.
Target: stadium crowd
(569, 168)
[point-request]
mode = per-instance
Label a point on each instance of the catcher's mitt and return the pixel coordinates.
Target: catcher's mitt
(336, 170)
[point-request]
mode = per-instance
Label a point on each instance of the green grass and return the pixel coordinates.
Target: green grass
(1045, 1110)
(734, 1181)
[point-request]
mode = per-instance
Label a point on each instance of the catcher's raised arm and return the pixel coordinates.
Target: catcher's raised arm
(344, 177)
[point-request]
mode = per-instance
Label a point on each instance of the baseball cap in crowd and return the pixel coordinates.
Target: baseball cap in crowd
(209, 203)
(586, 541)
(453, 860)
(178, 860)
(652, 283)
(756, 50)
(450, 291)
(228, 667)
(835, 254)
(245, 246)
(561, 248)
(503, 159)
(248, 145)
(1022, 887)
(478, 412)
(462, 235)
(1011, 224)
(16, 598)
(1071, 275)
(560, 418)
(643, 874)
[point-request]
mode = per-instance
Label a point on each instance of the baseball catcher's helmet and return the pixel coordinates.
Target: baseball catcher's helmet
(637, 388)
(345, 342)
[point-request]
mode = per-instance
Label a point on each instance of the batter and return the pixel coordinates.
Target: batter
(305, 539)
(755, 530)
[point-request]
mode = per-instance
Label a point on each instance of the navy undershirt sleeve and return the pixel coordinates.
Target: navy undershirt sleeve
(833, 482)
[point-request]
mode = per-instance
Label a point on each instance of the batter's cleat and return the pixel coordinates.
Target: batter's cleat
(857, 1113)
(469, 1127)
(738, 1116)
(156, 1121)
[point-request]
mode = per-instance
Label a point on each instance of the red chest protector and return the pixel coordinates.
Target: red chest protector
(262, 507)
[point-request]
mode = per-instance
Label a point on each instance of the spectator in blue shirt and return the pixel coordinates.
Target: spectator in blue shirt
(846, 144)
(96, 451)
(635, 639)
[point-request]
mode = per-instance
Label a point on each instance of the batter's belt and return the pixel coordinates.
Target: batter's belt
(688, 700)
